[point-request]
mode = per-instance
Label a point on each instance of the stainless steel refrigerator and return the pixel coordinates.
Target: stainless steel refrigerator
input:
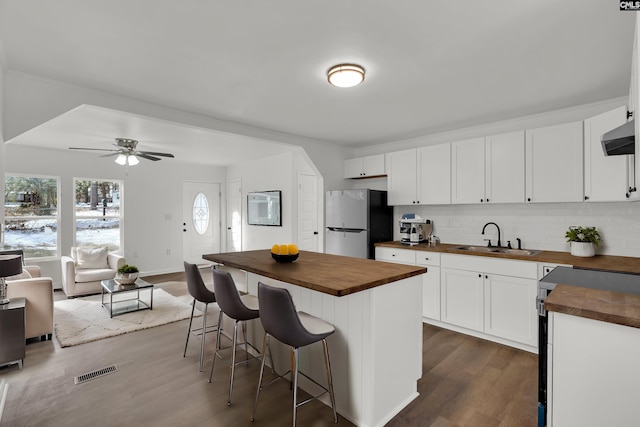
(355, 220)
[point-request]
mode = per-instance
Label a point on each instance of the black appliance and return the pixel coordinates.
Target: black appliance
(593, 279)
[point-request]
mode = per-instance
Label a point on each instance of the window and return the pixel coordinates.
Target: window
(31, 215)
(98, 213)
(201, 214)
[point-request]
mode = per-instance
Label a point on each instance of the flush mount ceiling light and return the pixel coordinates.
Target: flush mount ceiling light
(345, 75)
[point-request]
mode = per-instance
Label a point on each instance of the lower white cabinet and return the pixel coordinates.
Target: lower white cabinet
(462, 298)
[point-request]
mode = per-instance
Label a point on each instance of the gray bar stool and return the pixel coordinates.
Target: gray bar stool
(199, 292)
(238, 307)
(296, 329)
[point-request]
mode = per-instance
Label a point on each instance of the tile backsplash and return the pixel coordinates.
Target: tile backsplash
(539, 226)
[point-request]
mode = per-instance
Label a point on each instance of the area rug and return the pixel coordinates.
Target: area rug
(82, 320)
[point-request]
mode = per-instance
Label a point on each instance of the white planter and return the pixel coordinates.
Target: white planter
(583, 249)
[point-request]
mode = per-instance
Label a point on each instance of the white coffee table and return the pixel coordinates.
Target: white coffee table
(124, 304)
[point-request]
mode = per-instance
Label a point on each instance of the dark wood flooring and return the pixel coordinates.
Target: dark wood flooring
(466, 382)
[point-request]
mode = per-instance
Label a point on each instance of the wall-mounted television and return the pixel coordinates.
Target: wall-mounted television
(264, 208)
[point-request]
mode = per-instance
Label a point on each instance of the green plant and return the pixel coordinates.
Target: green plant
(583, 234)
(128, 269)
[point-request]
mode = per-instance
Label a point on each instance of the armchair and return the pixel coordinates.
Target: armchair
(38, 292)
(83, 271)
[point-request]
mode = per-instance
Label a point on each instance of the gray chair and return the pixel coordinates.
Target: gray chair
(199, 292)
(240, 308)
(296, 329)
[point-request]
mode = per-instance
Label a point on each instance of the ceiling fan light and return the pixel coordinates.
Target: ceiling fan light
(121, 159)
(132, 160)
(345, 75)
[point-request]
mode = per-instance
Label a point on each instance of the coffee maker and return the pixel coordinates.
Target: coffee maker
(414, 230)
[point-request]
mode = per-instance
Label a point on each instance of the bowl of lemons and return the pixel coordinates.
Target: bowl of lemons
(284, 253)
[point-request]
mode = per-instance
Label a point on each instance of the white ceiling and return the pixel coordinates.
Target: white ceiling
(432, 66)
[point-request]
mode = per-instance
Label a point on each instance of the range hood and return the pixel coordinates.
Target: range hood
(620, 140)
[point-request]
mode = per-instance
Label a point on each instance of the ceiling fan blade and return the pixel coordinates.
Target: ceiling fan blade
(110, 154)
(146, 156)
(91, 149)
(153, 153)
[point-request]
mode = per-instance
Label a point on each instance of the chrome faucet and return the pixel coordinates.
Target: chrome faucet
(489, 223)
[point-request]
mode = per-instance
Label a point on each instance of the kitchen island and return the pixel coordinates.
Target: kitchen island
(376, 308)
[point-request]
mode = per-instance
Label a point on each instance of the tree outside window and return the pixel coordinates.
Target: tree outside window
(31, 215)
(98, 213)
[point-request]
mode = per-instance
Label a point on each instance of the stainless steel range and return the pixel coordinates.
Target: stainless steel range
(593, 279)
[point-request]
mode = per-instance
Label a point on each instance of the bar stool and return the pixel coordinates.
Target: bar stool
(296, 329)
(240, 308)
(200, 293)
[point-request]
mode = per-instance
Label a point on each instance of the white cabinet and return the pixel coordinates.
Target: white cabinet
(462, 298)
(402, 184)
(430, 283)
(606, 178)
(419, 176)
(434, 174)
(488, 170)
(364, 167)
(554, 163)
(467, 171)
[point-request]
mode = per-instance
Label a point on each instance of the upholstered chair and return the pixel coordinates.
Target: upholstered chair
(83, 271)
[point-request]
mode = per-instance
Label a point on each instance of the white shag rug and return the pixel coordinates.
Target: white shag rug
(82, 320)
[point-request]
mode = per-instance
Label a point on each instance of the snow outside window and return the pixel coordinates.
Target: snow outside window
(98, 213)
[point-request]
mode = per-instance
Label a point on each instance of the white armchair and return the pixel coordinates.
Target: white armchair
(83, 271)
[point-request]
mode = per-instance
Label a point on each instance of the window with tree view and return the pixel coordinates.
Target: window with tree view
(98, 213)
(31, 215)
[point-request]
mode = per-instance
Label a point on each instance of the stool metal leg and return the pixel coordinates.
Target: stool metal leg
(264, 359)
(329, 379)
(204, 334)
(294, 362)
(215, 354)
(193, 307)
(233, 359)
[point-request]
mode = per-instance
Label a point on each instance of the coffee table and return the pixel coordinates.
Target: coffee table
(125, 304)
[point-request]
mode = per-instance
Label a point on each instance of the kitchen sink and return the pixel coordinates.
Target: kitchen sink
(497, 250)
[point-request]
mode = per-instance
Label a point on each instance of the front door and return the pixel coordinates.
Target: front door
(200, 220)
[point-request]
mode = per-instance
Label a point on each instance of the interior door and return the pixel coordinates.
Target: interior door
(200, 220)
(308, 212)
(234, 215)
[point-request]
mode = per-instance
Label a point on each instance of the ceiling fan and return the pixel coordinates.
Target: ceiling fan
(127, 153)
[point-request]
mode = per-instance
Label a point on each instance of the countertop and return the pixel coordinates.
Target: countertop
(330, 274)
(606, 306)
(599, 262)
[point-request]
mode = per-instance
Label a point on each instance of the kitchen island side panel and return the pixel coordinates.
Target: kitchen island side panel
(376, 351)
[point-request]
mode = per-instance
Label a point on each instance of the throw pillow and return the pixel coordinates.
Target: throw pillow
(24, 275)
(92, 257)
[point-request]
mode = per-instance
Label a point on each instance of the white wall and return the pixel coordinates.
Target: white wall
(152, 201)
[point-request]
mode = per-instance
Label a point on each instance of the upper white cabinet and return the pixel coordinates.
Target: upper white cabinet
(419, 176)
(606, 178)
(488, 170)
(434, 174)
(364, 167)
(402, 184)
(554, 163)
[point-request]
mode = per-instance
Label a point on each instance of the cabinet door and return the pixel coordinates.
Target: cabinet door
(434, 174)
(554, 171)
(504, 164)
(353, 168)
(431, 293)
(462, 298)
(401, 177)
(373, 165)
(467, 171)
(510, 310)
(606, 178)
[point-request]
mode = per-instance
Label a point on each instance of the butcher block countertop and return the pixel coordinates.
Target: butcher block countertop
(330, 274)
(599, 262)
(607, 306)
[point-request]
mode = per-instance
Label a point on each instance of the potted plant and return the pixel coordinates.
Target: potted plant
(127, 274)
(583, 240)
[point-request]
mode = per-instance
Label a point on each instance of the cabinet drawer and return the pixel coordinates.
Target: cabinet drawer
(505, 267)
(428, 258)
(402, 256)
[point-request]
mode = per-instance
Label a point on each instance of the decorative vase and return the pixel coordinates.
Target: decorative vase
(126, 278)
(583, 249)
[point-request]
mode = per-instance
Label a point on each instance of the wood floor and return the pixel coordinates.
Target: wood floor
(466, 382)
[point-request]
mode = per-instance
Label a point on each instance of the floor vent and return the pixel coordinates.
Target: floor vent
(95, 374)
